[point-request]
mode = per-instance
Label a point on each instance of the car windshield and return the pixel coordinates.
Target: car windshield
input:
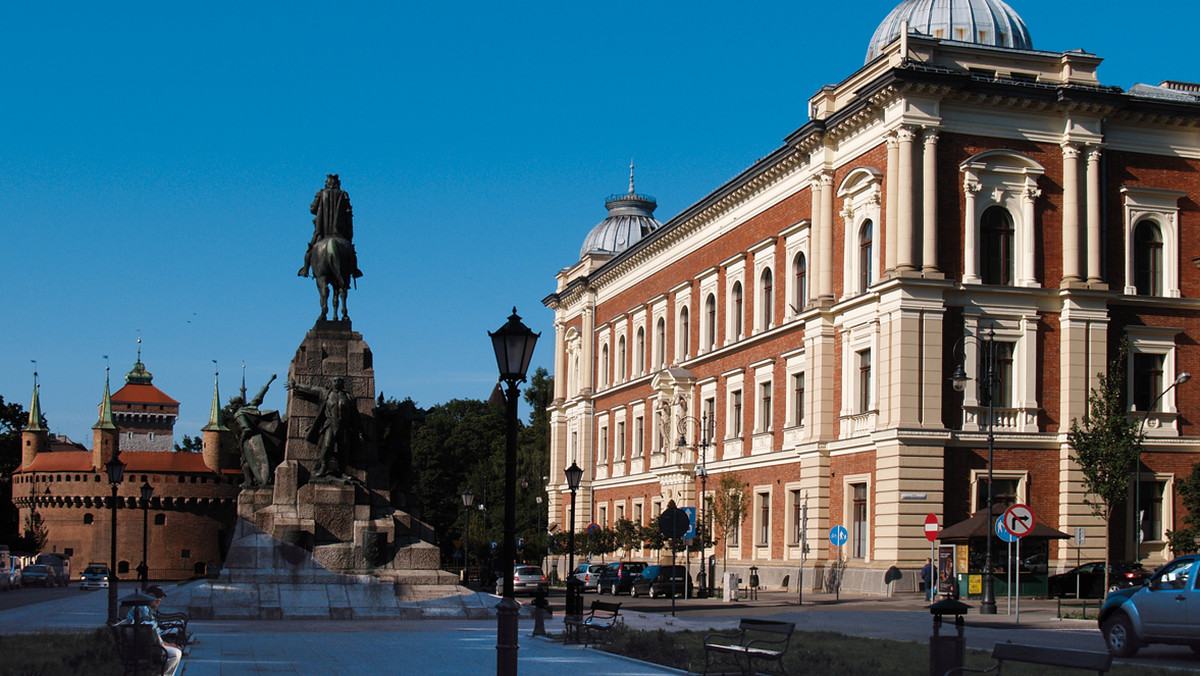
(529, 570)
(95, 570)
(35, 568)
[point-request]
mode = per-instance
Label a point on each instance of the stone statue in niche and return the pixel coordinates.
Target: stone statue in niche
(336, 430)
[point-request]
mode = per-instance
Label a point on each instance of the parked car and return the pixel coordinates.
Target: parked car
(589, 575)
(60, 564)
(10, 578)
(1162, 610)
(526, 579)
(617, 576)
(39, 575)
(660, 580)
(94, 577)
(1091, 579)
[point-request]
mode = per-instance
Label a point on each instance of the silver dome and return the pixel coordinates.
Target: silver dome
(630, 218)
(983, 22)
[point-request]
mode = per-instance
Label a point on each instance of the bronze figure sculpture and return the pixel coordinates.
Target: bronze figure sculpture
(336, 429)
(330, 252)
(260, 438)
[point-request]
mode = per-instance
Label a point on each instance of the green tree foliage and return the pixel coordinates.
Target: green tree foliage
(1183, 541)
(729, 508)
(12, 418)
(189, 444)
(1106, 444)
(36, 533)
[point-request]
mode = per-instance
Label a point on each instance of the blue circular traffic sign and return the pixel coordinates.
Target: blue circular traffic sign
(838, 535)
(1003, 532)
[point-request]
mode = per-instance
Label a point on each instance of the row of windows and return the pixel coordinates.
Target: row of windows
(129, 478)
(159, 519)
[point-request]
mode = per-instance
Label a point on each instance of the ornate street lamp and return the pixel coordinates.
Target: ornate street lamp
(706, 433)
(115, 469)
(987, 605)
(147, 493)
(513, 344)
(574, 476)
(1137, 467)
(468, 499)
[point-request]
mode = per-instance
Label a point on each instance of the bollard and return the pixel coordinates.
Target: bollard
(541, 612)
(947, 652)
(574, 608)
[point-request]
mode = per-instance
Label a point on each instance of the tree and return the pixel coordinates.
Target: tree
(12, 418)
(1183, 541)
(1106, 445)
(189, 444)
(36, 532)
(729, 509)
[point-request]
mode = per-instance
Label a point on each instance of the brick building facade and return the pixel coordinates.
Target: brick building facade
(190, 516)
(960, 195)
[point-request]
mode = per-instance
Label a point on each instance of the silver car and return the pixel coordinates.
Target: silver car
(589, 575)
(526, 579)
(1165, 609)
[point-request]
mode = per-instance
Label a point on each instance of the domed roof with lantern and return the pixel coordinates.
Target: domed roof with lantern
(630, 218)
(982, 22)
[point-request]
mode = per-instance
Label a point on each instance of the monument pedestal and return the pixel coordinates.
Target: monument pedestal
(327, 546)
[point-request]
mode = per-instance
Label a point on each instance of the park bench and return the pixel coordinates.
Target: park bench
(754, 640)
(587, 628)
(1068, 658)
(139, 649)
(174, 627)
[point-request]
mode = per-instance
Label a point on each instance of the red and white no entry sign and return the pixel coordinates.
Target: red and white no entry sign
(1019, 520)
(931, 527)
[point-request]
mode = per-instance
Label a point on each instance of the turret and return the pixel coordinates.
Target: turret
(214, 432)
(105, 438)
(34, 436)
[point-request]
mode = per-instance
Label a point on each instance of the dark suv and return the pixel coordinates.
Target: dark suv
(661, 580)
(617, 577)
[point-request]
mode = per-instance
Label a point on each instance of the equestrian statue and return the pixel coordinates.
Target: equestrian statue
(331, 253)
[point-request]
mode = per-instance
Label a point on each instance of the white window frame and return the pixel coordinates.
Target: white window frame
(735, 272)
(1007, 179)
(1159, 341)
(861, 194)
(978, 476)
(762, 547)
(848, 482)
(1161, 206)
(1021, 331)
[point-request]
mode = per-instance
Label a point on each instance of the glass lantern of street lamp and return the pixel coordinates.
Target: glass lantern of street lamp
(513, 344)
(115, 469)
(147, 492)
(959, 378)
(468, 498)
(574, 475)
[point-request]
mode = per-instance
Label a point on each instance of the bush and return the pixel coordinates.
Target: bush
(64, 654)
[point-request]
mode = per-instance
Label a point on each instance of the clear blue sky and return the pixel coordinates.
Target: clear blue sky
(159, 159)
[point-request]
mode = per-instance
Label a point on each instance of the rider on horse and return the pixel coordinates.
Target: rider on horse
(332, 217)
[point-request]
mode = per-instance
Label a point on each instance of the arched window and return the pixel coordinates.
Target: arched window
(767, 291)
(710, 308)
(621, 359)
(800, 277)
(737, 310)
(604, 365)
(660, 342)
(640, 352)
(865, 248)
(683, 330)
(996, 247)
(89, 518)
(1148, 259)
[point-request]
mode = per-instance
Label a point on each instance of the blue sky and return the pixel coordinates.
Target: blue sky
(159, 159)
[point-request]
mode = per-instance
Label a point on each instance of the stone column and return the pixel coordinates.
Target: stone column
(970, 228)
(904, 251)
(560, 360)
(1026, 276)
(1070, 217)
(587, 364)
(929, 262)
(816, 264)
(891, 210)
(827, 233)
(1093, 215)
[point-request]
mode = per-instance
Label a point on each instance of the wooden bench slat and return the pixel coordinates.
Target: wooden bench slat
(754, 640)
(1054, 657)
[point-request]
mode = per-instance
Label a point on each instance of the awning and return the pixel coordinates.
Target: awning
(979, 526)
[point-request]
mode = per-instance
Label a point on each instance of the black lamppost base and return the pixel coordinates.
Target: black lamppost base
(987, 604)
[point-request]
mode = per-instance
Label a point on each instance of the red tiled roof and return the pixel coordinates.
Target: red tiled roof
(159, 462)
(61, 461)
(142, 394)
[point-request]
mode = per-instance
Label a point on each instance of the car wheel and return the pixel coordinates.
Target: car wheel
(1118, 636)
(613, 590)
(633, 592)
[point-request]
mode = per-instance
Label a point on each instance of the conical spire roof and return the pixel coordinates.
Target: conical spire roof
(214, 414)
(106, 411)
(35, 410)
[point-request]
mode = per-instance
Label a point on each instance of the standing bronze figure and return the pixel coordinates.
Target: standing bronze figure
(330, 252)
(261, 437)
(336, 429)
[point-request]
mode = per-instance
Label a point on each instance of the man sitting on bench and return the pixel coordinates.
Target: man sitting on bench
(146, 615)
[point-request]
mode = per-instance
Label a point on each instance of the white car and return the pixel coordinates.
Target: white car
(94, 577)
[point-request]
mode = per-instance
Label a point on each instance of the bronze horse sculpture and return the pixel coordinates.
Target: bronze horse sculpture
(331, 252)
(333, 265)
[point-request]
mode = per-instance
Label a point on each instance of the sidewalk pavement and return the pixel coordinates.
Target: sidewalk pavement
(329, 648)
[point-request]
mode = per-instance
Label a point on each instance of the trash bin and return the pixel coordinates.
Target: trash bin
(574, 597)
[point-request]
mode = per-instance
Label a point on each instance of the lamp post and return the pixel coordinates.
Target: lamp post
(987, 605)
(147, 493)
(701, 473)
(513, 344)
(115, 469)
(538, 499)
(574, 475)
(1137, 467)
(468, 498)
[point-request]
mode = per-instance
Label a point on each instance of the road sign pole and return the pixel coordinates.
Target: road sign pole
(1017, 577)
(1008, 580)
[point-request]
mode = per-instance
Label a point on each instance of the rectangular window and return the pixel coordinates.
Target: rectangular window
(1151, 498)
(620, 512)
(797, 516)
(798, 398)
(1004, 492)
(764, 413)
(858, 535)
(604, 444)
(864, 381)
(710, 415)
(621, 440)
(1147, 380)
(603, 516)
(637, 515)
(639, 436)
(1002, 387)
(735, 414)
(659, 441)
(734, 535)
(764, 525)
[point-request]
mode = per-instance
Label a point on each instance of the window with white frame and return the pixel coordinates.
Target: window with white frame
(866, 255)
(860, 521)
(639, 354)
(604, 365)
(1152, 499)
(865, 396)
(1147, 380)
(735, 311)
(798, 395)
(861, 195)
(735, 413)
(1001, 390)
(766, 297)
(797, 516)
(764, 406)
(1152, 368)
(639, 436)
(799, 282)
(710, 330)
(660, 343)
(682, 330)
(603, 521)
(604, 444)
(764, 519)
(1152, 240)
(622, 359)
(1000, 192)
(620, 440)
(1008, 487)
